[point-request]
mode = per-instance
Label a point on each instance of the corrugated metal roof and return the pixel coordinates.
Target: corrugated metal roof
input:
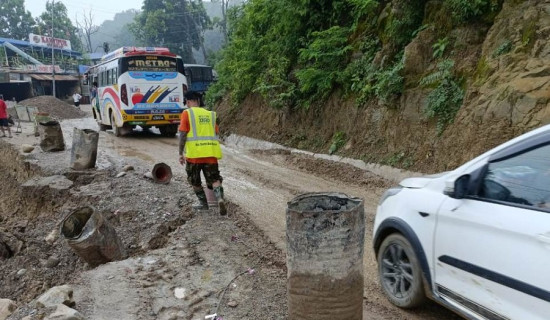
(22, 43)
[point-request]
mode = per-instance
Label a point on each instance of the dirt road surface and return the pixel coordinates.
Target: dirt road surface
(259, 181)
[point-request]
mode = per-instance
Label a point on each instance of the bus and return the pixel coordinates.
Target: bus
(138, 86)
(199, 76)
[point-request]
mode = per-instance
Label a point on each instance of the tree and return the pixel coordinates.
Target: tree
(15, 21)
(176, 24)
(63, 27)
(223, 22)
(87, 27)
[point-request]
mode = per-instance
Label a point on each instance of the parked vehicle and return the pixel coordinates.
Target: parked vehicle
(475, 239)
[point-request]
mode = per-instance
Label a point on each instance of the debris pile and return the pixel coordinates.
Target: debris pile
(56, 108)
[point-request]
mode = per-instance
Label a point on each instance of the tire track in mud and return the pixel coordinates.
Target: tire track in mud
(262, 185)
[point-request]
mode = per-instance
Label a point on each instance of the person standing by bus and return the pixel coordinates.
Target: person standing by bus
(199, 137)
(4, 117)
(76, 99)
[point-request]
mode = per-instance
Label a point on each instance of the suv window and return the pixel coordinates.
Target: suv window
(522, 179)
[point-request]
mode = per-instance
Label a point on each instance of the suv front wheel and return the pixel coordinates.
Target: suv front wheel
(400, 273)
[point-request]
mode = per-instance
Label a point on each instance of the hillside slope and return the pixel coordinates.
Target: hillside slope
(501, 65)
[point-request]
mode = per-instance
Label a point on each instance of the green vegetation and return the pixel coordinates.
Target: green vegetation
(296, 53)
(338, 141)
(174, 24)
(465, 10)
(399, 159)
(445, 100)
(504, 48)
(439, 47)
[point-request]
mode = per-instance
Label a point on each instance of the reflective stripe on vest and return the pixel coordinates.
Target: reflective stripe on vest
(202, 140)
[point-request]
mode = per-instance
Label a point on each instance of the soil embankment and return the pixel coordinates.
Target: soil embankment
(503, 69)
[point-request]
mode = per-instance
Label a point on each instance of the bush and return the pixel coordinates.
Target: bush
(464, 10)
(338, 141)
(504, 48)
(446, 99)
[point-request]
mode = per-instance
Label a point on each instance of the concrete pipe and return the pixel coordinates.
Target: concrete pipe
(84, 149)
(325, 240)
(162, 173)
(51, 136)
(92, 237)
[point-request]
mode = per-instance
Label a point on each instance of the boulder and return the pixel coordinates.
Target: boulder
(62, 312)
(27, 148)
(7, 307)
(56, 295)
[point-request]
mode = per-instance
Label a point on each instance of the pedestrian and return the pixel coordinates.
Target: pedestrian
(4, 117)
(76, 99)
(199, 137)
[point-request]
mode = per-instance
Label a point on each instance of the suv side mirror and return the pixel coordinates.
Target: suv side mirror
(457, 188)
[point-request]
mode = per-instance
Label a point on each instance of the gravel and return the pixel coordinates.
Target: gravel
(56, 108)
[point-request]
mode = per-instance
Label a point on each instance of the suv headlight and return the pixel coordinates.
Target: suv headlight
(389, 193)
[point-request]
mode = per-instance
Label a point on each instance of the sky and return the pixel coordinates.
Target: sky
(101, 9)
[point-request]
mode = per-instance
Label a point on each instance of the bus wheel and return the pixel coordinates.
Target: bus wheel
(103, 127)
(116, 130)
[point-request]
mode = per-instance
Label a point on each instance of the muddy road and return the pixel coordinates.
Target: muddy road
(260, 178)
(181, 264)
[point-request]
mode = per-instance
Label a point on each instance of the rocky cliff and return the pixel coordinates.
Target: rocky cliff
(503, 69)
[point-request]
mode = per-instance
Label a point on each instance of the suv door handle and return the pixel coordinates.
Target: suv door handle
(544, 238)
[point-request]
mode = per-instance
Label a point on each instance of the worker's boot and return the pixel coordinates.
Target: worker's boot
(203, 202)
(218, 191)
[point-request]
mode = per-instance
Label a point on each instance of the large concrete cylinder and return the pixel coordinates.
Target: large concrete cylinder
(51, 136)
(325, 235)
(84, 150)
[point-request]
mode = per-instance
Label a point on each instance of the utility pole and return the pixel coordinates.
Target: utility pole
(53, 56)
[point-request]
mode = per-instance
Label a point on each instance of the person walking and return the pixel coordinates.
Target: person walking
(4, 117)
(199, 139)
(76, 99)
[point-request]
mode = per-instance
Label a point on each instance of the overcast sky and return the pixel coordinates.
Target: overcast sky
(101, 9)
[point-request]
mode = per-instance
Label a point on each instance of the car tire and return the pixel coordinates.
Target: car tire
(400, 273)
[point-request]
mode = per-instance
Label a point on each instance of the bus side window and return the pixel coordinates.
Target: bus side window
(114, 75)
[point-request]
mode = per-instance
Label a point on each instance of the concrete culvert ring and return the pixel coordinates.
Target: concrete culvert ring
(162, 173)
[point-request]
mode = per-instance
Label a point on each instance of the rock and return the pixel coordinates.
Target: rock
(21, 273)
(148, 175)
(27, 148)
(179, 293)
(62, 312)
(128, 168)
(52, 262)
(232, 304)
(5, 251)
(121, 174)
(50, 238)
(7, 307)
(56, 295)
(57, 182)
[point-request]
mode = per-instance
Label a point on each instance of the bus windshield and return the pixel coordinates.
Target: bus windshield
(151, 63)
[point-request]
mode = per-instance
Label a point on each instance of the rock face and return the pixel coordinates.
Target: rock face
(62, 312)
(56, 295)
(503, 66)
(7, 307)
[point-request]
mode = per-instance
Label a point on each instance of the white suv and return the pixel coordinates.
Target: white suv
(475, 239)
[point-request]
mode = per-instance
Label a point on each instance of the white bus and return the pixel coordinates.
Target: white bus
(139, 86)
